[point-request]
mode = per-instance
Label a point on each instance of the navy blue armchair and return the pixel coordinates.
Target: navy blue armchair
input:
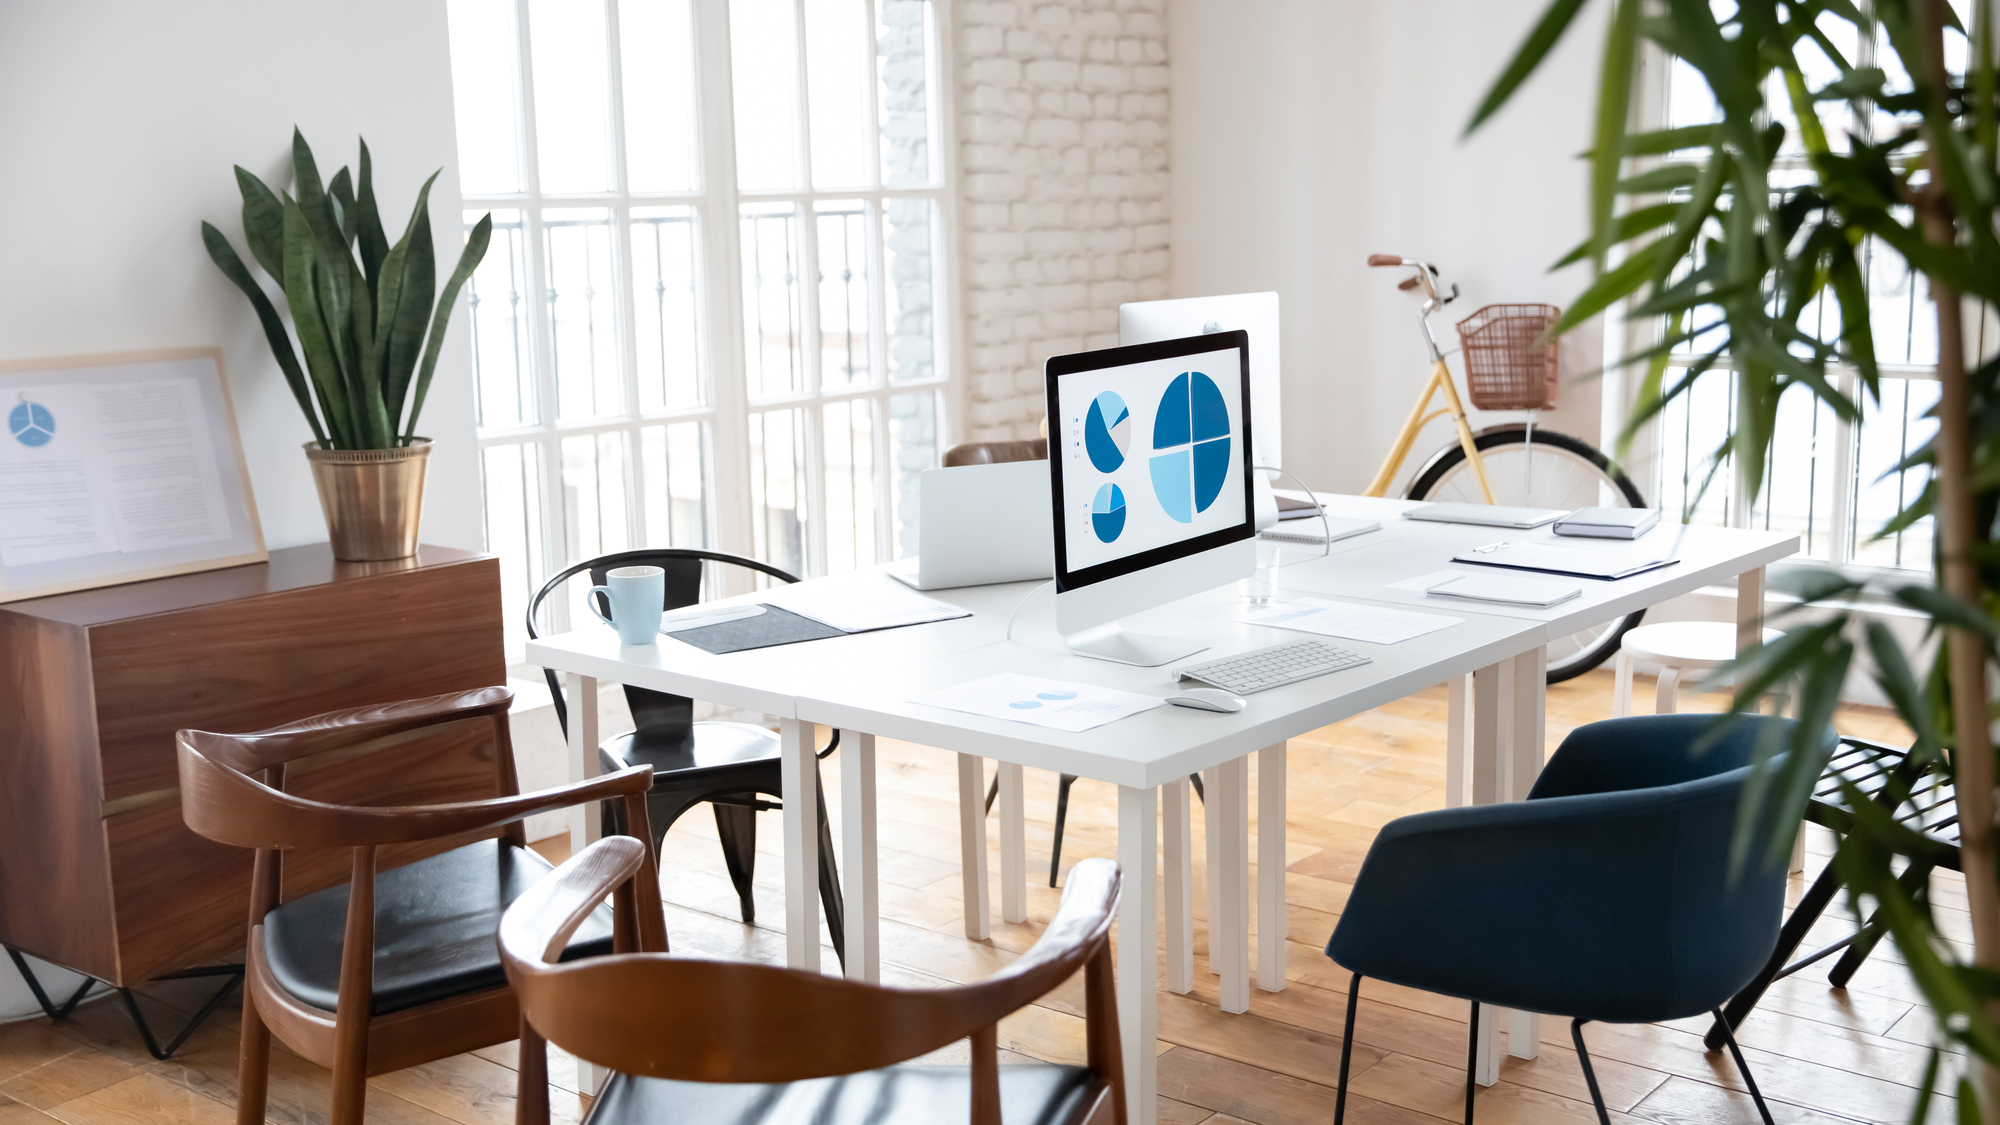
(1606, 895)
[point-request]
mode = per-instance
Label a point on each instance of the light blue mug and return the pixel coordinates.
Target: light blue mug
(637, 596)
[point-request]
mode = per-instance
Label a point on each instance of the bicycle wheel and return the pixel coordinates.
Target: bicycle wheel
(1554, 470)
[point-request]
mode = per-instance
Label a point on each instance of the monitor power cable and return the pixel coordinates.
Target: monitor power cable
(1049, 585)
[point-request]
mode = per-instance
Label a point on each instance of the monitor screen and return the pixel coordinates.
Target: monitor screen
(1150, 457)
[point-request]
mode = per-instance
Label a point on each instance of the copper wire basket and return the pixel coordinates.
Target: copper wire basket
(1508, 366)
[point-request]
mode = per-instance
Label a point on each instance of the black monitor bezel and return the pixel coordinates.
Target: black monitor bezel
(1079, 362)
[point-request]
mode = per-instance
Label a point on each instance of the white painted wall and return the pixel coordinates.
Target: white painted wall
(119, 120)
(1307, 134)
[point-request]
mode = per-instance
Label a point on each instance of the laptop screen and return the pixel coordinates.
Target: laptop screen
(1150, 454)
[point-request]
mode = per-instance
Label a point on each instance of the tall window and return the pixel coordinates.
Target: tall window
(1827, 480)
(712, 311)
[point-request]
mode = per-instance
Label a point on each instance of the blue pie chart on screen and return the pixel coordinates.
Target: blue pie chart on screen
(1107, 513)
(1191, 443)
(31, 424)
(1107, 432)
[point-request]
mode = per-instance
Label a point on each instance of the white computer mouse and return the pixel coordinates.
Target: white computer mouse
(1208, 699)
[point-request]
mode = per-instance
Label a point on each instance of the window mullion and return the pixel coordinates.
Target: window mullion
(625, 315)
(1840, 547)
(722, 270)
(541, 338)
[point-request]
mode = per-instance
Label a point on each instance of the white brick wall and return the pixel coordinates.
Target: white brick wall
(1062, 134)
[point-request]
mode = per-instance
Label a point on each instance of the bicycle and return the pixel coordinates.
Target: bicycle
(1508, 367)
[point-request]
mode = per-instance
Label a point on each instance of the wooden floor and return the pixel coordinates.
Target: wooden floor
(1820, 1055)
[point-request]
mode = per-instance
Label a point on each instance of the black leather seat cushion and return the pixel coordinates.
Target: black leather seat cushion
(435, 926)
(897, 1095)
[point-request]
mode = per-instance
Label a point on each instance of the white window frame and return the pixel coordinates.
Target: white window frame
(722, 377)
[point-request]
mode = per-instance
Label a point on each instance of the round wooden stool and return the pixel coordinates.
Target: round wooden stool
(1679, 647)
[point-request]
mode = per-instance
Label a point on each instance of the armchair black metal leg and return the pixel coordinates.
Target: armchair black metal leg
(1472, 1061)
(1591, 1073)
(1062, 814)
(55, 1014)
(233, 972)
(737, 826)
(1916, 882)
(1196, 779)
(1803, 916)
(992, 791)
(829, 885)
(1346, 1050)
(1736, 1053)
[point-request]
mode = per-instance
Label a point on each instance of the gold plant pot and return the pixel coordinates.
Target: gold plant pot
(373, 498)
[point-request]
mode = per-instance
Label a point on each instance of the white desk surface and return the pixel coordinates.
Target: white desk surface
(765, 679)
(1364, 566)
(1157, 746)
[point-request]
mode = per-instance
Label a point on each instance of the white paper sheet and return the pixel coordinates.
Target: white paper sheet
(853, 610)
(54, 498)
(1424, 582)
(1060, 704)
(1505, 589)
(1347, 620)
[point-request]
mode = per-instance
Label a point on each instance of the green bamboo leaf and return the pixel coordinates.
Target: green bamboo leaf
(1663, 141)
(232, 267)
(1659, 181)
(1547, 31)
(1946, 610)
(1626, 227)
(475, 250)
(373, 242)
(409, 289)
(301, 255)
(1892, 673)
(1614, 99)
(1921, 1112)
(1621, 282)
(263, 223)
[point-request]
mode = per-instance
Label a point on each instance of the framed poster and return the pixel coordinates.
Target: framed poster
(120, 468)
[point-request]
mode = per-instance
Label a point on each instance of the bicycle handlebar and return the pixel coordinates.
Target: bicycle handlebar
(1384, 260)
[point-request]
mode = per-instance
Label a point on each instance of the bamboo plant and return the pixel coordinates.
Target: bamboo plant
(370, 326)
(1712, 246)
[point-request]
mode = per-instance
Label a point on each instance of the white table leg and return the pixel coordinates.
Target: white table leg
(581, 691)
(1271, 868)
(972, 844)
(800, 779)
(1013, 845)
(1229, 931)
(1457, 747)
(1486, 1064)
(858, 859)
(1526, 713)
(1485, 749)
(1524, 1034)
(584, 825)
(1138, 951)
(1749, 609)
(1176, 828)
(1211, 835)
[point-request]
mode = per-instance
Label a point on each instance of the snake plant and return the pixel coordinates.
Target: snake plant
(370, 326)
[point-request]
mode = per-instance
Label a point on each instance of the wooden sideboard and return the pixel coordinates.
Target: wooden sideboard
(97, 871)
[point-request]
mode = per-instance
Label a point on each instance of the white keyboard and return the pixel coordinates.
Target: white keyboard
(1265, 668)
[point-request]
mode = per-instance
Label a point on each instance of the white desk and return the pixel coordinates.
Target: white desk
(861, 684)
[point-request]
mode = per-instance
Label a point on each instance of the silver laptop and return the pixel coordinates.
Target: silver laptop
(980, 524)
(1487, 515)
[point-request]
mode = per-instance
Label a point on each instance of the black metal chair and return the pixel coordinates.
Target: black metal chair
(727, 765)
(1920, 799)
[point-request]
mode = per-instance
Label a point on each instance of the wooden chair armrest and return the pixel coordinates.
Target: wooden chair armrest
(333, 730)
(539, 924)
(231, 808)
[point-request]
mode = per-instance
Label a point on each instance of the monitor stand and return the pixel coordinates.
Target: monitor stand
(1109, 642)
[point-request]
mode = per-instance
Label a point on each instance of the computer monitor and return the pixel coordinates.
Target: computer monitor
(1150, 467)
(1142, 322)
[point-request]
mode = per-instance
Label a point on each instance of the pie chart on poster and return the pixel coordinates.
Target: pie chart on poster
(1107, 513)
(1107, 432)
(31, 424)
(1191, 440)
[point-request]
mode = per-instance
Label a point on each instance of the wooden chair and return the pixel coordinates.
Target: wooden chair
(399, 967)
(996, 452)
(726, 1043)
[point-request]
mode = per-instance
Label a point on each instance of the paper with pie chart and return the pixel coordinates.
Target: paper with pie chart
(1152, 454)
(1058, 704)
(88, 469)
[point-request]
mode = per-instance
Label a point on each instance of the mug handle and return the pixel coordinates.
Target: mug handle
(590, 599)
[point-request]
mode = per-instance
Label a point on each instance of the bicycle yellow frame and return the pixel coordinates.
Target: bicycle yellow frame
(1440, 381)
